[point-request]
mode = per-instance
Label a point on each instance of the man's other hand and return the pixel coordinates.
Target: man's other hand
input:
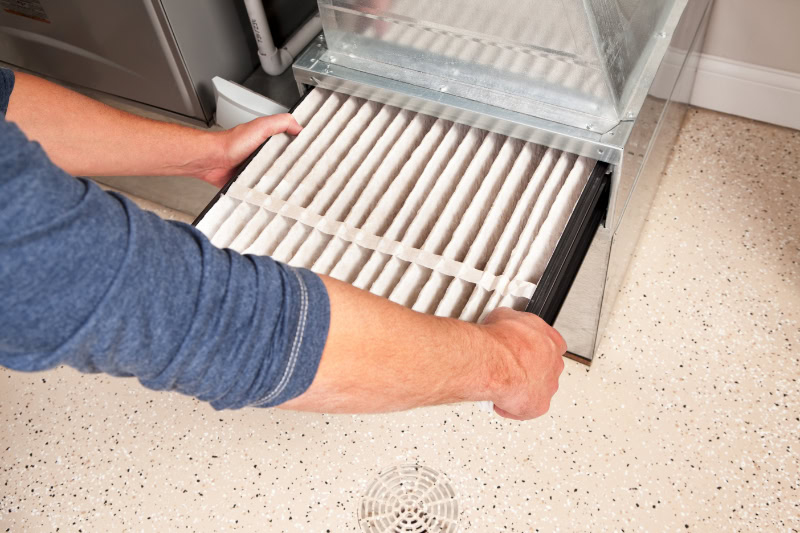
(524, 377)
(234, 145)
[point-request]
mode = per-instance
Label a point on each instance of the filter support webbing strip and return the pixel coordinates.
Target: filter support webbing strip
(348, 233)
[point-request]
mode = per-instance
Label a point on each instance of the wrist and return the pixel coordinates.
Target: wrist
(211, 155)
(497, 368)
(490, 371)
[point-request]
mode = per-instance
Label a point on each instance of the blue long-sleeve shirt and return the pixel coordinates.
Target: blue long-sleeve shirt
(90, 280)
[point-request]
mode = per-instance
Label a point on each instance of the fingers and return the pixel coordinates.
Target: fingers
(259, 130)
(506, 414)
(535, 413)
(283, 123)
(558, 340)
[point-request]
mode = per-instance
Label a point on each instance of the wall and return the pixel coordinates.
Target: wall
(760, 32)
(751, 61)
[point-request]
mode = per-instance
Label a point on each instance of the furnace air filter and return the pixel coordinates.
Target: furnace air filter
(440, 217)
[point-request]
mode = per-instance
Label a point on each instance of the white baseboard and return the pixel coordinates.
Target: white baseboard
(748, 90)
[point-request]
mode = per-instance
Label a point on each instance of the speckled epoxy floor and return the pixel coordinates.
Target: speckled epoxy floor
(688, 419)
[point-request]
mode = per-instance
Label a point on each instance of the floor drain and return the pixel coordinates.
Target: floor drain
(409, 499)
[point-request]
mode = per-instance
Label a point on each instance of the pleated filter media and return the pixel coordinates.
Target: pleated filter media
(440, 217)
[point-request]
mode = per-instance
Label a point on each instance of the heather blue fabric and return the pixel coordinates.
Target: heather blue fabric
(90, 280)
(6, 86)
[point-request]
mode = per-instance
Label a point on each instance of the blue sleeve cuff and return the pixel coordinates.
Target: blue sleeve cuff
(310, 309)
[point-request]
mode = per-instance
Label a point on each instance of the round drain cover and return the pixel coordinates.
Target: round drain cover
(409, 499)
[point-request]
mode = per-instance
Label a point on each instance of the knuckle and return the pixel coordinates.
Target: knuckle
(560, 343)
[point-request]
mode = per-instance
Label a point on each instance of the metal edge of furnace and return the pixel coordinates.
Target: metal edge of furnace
(647, 154)
(312, 69)
(588, 305)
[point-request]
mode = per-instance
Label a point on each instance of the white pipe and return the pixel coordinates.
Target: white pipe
(275, 60)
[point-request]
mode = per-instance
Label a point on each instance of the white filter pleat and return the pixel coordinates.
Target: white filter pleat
(355, 157)
(533, 223)
(514, 231)
(535, 261)
(217, 216)
(252, 230)
(436, 216)
(338, 209)
(378, 182)
(411, 227)
(389, 276)
(301, 144)
(391, 200)
(408, 288)
(460, 170)
(288, 156)
(504, 206)
(430, 226)
(335, 130)
(465, 190)
(306, 186)
(471, 220)
(311, 248)
(411, 204)
(233, 225)
(491, 226)
(294, 164)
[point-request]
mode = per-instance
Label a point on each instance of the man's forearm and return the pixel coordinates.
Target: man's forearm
(89, 138)
(381, 356)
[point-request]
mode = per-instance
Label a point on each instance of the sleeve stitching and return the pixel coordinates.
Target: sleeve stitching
(296, 344)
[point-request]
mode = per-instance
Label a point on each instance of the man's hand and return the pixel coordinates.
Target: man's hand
(232, 146)
(526, 371)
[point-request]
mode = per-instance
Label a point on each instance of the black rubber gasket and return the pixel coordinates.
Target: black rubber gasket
(571, 249)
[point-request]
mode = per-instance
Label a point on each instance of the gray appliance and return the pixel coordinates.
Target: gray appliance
(162, 53)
